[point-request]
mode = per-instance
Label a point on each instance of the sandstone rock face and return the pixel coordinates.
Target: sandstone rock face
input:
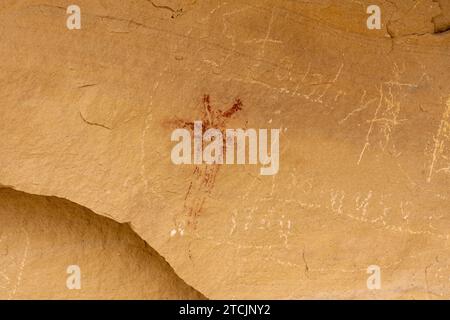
(364, 116)
(42, 236)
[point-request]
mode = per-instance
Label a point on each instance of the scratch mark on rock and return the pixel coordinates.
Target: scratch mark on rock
(442, 135)
(21, 266)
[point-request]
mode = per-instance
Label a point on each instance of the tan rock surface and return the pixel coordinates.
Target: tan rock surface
(364, 179)
(42, 236)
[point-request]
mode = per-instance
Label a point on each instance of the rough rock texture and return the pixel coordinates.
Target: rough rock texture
(87, 115)
(41, 236)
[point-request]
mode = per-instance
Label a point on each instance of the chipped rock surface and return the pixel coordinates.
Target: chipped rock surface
(41, 237)
(364, 115)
